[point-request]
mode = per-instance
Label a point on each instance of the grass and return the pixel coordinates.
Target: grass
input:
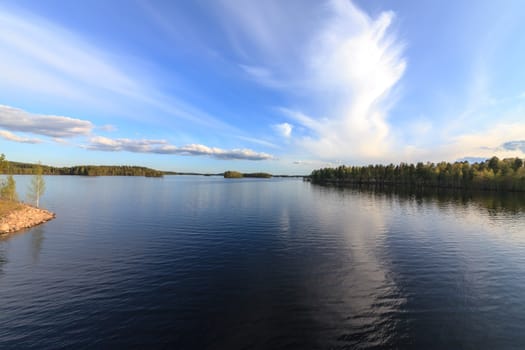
(8, 206)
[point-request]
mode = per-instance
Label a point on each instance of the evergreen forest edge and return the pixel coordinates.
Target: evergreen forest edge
(493, 174)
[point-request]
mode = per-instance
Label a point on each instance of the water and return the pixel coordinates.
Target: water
(206, 263)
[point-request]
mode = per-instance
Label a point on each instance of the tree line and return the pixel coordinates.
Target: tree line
(492, 174)
(17, 168)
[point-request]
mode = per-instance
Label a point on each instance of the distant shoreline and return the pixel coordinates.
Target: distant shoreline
(22, 217)
(18, 168)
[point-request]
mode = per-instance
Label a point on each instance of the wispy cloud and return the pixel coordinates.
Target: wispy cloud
(251, 27)
(42, 58)
(514, 145)
(303, 119)
(283, 129)
(100, 143)
(15, 119)
(263, 76)
(346, 65)
(107, 127)
(257, 141)
(15, 138)
(354, 63)
(30, 42)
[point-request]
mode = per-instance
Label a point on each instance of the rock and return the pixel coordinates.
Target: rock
(23, 218)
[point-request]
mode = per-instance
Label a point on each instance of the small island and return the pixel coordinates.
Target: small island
(237, 175)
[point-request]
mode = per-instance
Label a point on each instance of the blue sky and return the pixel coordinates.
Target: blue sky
(277, 86)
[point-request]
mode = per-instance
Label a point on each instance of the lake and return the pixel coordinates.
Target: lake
(189, 262)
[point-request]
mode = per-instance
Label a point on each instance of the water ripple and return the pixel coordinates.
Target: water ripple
(189, 262)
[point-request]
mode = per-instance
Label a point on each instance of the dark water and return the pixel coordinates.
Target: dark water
(208, 263)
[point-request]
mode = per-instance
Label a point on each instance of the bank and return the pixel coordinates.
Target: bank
(20, 216)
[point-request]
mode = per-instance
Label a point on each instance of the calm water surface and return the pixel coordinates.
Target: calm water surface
(206, 263)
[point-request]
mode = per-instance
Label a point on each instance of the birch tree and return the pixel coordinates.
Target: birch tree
(37, 186)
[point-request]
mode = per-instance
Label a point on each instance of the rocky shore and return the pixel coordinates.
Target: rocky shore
(23, 217)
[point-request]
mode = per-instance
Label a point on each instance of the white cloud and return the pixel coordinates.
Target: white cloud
(354, 64)
(100, 143)
(498, 140)
(12, 137)
(283, 129)
(15, 119)
(335, 59)
(59, 127)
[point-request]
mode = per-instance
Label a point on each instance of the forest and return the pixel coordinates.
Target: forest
(492, 174)
(16, 168)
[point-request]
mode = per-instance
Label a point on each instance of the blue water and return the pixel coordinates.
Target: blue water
(206, 263)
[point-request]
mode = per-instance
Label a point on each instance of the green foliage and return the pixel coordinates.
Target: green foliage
(237, 175)
(492, 174)
(85, 170)
(258, 175)
(518, 163)
(232, 174)
(37, 186)
(4, 164)
(8, 185)
(8, 189)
